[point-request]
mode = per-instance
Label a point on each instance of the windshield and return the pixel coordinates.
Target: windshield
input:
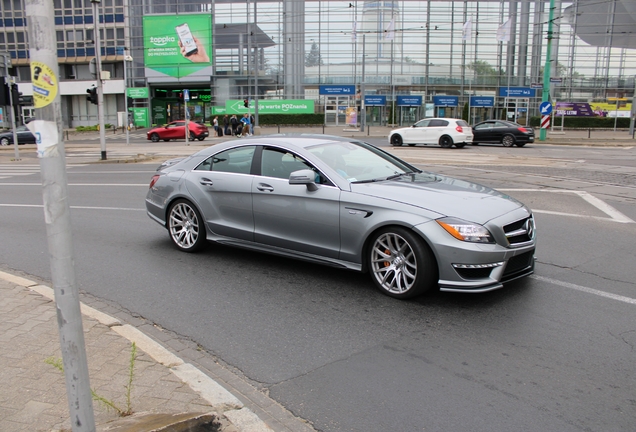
(360, 162)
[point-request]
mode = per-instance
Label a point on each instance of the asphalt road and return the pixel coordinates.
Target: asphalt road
(552, 352)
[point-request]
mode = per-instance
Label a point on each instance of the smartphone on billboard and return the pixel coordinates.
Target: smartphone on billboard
(187, 40)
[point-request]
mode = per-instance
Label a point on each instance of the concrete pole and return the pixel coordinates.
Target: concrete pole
(100, 84)
(546, 70)
(126, 123)
(47, 127)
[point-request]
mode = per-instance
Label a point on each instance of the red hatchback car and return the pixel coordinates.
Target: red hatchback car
(176, 130)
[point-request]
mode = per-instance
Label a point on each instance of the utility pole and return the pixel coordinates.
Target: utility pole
(7, 78)
(100, 84)
(546, 70)
(47, 127)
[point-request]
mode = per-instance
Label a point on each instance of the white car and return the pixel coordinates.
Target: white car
(443, 131)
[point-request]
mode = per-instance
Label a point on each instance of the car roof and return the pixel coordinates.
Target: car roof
(298, 140)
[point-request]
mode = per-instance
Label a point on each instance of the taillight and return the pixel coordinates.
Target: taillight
(522, 129)
(154, 180)
(459, 129)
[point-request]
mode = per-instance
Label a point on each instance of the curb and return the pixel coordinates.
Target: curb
(220, 399)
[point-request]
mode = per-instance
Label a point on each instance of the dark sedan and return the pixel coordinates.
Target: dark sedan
(502, 132)
(24, 136)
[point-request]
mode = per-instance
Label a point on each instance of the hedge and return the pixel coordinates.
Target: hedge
(584, 122)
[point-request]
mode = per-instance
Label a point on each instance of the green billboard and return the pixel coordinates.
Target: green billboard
(274, 106)
(137, 92)
(178, 45)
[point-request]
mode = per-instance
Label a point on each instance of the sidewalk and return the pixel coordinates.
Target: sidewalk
(33, 396)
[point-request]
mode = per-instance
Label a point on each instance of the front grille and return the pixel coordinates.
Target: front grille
(520, 232)
(518, 263)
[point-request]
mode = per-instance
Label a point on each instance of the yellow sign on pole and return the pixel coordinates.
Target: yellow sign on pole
(44, 84)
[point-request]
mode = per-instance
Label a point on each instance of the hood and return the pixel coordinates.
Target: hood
(445, 195)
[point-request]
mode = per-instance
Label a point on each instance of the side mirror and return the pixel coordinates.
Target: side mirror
(304, 177)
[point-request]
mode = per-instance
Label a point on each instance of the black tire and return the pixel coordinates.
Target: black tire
(508, 140)
(201, 138)
(401, 264)
(396, 140)
(5, 141)
(411, 145)
(445, 141)
(460, 145)
(167, 140)
(154, 137)
(520, 144)
(185, 226)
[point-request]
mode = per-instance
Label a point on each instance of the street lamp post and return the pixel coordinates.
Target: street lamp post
(127, 59)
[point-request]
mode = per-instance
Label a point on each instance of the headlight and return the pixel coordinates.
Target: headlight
(465, 231)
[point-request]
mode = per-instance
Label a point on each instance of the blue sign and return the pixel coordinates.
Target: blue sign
(545, 108)
(349, 90)
(409, 100)
(446, 101)
(482, 101)
(517, 92)
(375, 100)
(186, 95)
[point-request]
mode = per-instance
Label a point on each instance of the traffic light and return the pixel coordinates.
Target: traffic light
(246, 103)
(92, 95)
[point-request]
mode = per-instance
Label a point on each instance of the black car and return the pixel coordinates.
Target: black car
(24, 136)
(502, 132)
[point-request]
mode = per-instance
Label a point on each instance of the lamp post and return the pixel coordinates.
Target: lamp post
(127, 59)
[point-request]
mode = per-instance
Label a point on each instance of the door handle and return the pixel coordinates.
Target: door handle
(264, 187)
(206, 182)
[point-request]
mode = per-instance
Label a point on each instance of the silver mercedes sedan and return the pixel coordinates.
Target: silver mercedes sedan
(348, 204)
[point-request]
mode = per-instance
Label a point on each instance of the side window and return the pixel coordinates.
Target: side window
(236, 160)
(422, 123)
(438, 123)
(500, 125)
(280, 164)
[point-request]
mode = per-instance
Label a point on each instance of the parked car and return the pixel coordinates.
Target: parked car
(443, 131)
(347, 204)
(502, 132)
(176, 130)
(24, 136)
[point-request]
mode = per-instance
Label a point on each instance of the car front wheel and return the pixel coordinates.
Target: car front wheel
(401, 264)
(396, 140)
(185, 225)
(4, 141)
(154, 137)
(508, 141)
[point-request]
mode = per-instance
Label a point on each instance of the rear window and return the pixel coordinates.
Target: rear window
(462, 123)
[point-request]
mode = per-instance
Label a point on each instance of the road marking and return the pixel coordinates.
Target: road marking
(80, 184)
(74, 207)
(614, 215)
(599, 293)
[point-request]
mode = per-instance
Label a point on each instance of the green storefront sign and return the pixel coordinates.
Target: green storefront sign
(140, 117)
(279, 106)
(137, 92)
(177, 45)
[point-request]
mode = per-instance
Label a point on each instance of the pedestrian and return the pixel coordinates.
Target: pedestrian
(234, 123)
(226, 124)
(215, 123)
(247, 126)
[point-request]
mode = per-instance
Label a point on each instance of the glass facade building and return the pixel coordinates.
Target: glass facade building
(292, 50)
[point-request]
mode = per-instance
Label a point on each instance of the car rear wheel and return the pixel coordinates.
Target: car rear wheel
(185, 226)
(446, 141)
(508, 141)
(396, 140)
(201, 138)
(4, 141)
(401, 264)
(154, 137)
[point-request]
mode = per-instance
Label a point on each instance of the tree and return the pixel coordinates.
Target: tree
(313, 57)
